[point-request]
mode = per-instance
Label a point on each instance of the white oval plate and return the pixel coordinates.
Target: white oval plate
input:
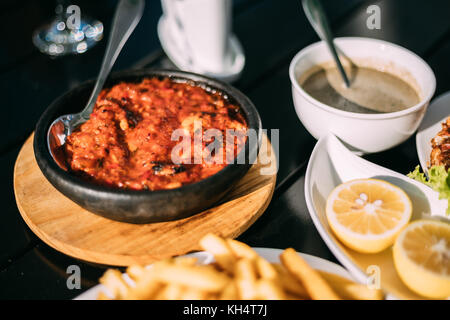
(436, 114)
(331, 164)
(271, 255)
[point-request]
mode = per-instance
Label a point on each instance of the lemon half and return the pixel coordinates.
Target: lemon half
(422, 258)
(368, 214)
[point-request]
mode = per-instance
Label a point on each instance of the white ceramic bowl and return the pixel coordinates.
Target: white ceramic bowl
(363, 132)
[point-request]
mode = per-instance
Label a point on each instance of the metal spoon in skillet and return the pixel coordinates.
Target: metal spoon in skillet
(127, 16)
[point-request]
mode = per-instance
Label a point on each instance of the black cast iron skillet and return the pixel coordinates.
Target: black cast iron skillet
(143, 206)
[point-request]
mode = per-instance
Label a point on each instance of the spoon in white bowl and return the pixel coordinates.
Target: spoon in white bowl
(316, 16)
(127, 16)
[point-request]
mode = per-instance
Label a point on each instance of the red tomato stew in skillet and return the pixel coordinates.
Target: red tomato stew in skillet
(127, 142)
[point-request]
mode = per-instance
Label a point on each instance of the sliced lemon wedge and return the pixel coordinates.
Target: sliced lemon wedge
(422, 258)
(368, 214)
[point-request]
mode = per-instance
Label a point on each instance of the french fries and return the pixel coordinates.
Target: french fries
(221, 251)
(290, 284)
(315, 285)
(246, 277)
(237, 273)
(241, 250)
(350, 290)
(115, 283)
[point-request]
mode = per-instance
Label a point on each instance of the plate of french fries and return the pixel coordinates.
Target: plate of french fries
(228, 269)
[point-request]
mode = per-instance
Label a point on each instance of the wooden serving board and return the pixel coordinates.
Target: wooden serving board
(68, 228)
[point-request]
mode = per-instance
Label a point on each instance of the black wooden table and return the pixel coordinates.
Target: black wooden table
(271, 32)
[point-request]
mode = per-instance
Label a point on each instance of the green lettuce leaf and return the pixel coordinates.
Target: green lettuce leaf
(438, 179)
